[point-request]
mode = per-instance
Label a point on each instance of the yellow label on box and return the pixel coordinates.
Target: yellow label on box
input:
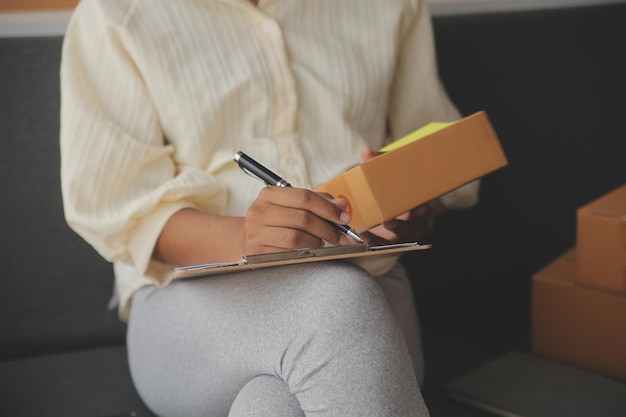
(420, 133)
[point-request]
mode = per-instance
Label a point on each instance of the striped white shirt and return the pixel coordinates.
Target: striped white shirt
(158, 95)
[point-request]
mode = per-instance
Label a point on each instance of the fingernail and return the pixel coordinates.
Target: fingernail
(345, 217)
(343, 240)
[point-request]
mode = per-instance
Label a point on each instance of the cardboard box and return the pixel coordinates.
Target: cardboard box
(578, 325)
(402, 179)
(601, 242)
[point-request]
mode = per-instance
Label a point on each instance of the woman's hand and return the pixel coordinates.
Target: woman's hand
(280, 219)
(286, 218)
(407, 227)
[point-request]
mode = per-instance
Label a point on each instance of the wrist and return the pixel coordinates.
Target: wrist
(193, 237)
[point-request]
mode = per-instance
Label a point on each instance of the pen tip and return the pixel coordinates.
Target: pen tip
(355, 236)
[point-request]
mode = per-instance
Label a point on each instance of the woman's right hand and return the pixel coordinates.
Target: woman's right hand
(286, 218)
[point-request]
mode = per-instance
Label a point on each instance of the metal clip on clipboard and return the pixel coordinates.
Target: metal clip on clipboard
(295, 257)
(306, 253)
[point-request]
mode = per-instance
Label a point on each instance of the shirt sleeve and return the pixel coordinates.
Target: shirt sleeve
(119, 178)
(418, 97)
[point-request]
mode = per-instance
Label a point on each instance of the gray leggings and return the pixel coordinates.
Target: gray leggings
(315, 339)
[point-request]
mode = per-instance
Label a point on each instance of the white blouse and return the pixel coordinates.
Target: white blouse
(158, 95)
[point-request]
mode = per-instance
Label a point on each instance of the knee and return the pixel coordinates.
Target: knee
(265, 395)
(344, 328)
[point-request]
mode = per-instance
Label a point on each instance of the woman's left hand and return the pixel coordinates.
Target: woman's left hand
(407, 227)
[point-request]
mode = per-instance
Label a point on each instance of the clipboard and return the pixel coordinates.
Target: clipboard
(251, 262)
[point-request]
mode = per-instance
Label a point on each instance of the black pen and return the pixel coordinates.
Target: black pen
(258, 171)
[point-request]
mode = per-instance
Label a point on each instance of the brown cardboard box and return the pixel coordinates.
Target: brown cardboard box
(601, 242)
(578, 325)
(397, 181)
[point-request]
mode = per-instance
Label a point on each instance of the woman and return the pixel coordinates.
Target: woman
(157, 96)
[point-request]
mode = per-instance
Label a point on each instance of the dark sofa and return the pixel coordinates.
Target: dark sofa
(554, 85)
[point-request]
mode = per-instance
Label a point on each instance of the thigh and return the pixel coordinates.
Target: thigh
(325, 329)
(195, 343)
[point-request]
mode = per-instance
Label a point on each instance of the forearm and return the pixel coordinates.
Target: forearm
(193, 237)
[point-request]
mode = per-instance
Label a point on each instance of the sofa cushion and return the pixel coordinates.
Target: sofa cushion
(90, 383)
(55, 286)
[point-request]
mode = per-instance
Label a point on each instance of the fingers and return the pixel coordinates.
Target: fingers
(342, 203)
(408, 227)
(275, 239)
(373, 239)
(292, 218)
(367, 153)
(306, 200)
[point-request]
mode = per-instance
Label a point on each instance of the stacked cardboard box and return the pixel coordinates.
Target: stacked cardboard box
(601, 242)
(579, 300)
